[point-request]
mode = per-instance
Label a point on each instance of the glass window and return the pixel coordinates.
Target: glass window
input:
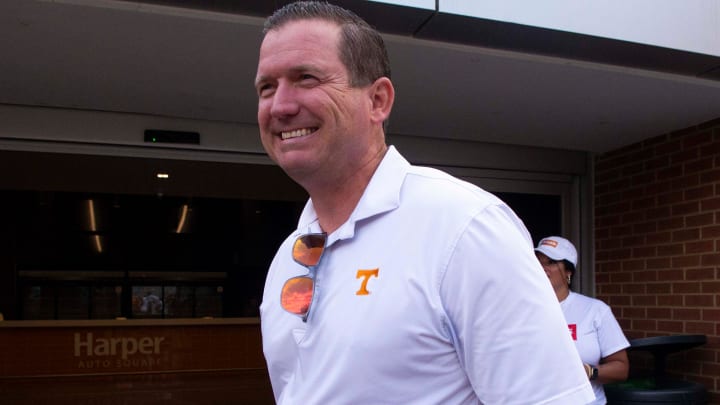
(103, 256)
(147, 301)
(209, 301)
(179, 302)
(73, 302)
(106, 302)
(38, 302)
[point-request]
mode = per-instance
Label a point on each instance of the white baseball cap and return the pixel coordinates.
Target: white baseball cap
(558, 248)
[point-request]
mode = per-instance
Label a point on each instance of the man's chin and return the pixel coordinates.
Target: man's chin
(293, 167)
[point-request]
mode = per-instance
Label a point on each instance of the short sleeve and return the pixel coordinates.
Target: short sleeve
(508, 327)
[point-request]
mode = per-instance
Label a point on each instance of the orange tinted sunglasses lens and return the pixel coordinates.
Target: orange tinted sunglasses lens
(308, 249)
(297, 295)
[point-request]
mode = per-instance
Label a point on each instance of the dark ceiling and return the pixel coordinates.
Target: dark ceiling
(456, 77)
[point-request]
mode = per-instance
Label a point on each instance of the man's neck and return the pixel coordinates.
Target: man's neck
(335, 201)
(334, 209)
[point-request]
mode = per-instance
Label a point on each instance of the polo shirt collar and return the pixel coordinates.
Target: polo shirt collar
(382, 194)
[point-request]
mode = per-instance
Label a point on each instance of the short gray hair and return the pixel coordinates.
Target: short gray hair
(361, 48)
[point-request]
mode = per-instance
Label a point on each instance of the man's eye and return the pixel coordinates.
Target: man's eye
(308, 78)
(264, 89)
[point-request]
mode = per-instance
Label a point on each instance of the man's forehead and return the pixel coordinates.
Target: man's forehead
(306, 26)
(301, 36)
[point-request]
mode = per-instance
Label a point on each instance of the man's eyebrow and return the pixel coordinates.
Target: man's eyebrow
(305, 68)
(302, 68)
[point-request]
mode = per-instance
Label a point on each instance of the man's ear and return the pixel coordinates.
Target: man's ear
(382, 97)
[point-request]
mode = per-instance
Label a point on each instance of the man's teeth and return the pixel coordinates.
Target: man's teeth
(295, 133)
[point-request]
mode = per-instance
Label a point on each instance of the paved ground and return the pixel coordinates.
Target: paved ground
(250, 387)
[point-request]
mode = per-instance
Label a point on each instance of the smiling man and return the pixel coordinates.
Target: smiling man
(401, 284)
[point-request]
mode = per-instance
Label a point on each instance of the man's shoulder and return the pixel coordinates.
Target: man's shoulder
(439, 186)
(446, 185)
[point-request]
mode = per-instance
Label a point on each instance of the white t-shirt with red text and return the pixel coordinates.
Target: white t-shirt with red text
(595, 331)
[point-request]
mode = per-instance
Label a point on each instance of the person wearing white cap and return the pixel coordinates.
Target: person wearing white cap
(591, 323)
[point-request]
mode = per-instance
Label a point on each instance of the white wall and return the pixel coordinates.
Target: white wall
(688, 25)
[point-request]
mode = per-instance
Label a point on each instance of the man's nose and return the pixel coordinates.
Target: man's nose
(285, 100)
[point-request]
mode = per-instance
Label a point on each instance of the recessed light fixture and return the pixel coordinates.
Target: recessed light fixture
(93, 226)
(183, 217)
(162, 175)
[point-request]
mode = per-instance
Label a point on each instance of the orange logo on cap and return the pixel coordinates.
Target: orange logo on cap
(550, 243)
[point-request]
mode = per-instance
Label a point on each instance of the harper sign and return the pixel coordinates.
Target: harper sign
(83, 349)
(117, 352)
(116, 346)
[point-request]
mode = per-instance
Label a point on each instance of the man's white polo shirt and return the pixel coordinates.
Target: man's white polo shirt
(429, 294)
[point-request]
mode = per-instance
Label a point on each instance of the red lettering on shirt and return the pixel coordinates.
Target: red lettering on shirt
(573, 330)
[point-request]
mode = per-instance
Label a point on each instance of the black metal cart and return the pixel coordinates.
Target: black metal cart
(659, 388)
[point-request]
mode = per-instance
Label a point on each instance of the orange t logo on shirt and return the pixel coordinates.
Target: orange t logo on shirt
(365, 275)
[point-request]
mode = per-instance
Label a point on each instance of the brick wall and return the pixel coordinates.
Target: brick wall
(657, 241)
